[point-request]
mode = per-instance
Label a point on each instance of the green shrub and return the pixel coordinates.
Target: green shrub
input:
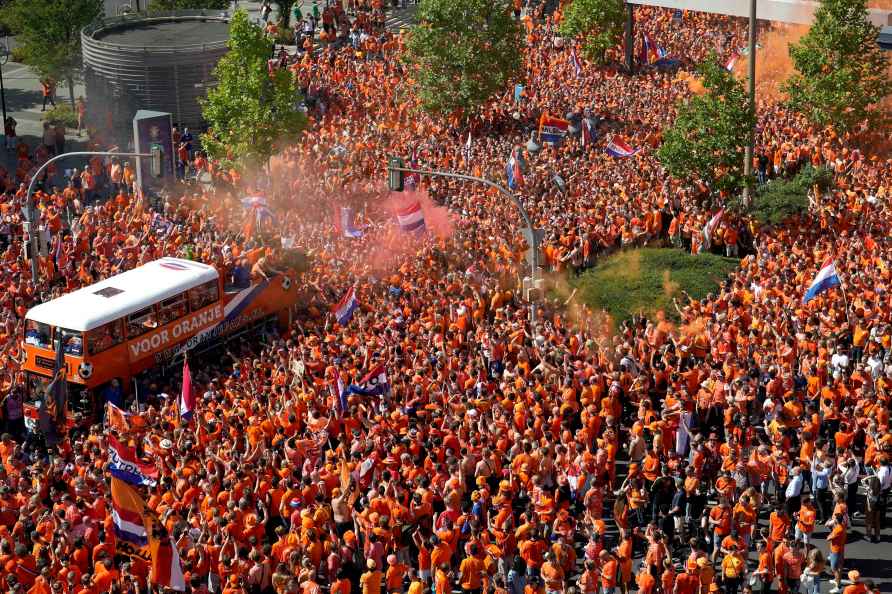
(17, 54)
(646, 280)
(782, 199)
(63, 113)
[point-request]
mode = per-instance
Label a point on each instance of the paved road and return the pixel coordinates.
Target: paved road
(24, 100)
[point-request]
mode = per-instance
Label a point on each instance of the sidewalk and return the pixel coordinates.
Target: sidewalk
(24, 100)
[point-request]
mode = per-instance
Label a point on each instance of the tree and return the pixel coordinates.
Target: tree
(251, 113)
(598, 22)
(48, 33)
(841, 70)
(285, 10)
(463, 52)
(189, 4)
(782, 199)
(710, 132)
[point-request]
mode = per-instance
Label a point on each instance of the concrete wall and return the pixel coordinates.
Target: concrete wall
(786, 11)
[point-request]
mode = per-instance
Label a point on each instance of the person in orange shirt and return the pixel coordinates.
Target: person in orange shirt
(471, 572)
(837, 542)
(396, 573)
(805, 520)
(441, 580)
(609, 570)
(646, 582)
(553, 574)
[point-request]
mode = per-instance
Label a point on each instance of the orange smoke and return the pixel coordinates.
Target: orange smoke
(773, 62)
(694, 85)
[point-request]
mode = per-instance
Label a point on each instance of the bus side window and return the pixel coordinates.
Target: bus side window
(204, 295)
(172, 309)
(38, 334)
(140, 322)
(72, 342)
(104, 337)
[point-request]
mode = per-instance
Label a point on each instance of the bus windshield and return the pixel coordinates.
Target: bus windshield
(38, 334)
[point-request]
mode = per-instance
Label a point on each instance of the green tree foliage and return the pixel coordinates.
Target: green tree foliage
(782, 199)
(48, 33)
(250, 114)
(708, 139)
(645, 281)
(285, 12)
(464, 51)
(189, 4)
(599, 24)
(841, 71)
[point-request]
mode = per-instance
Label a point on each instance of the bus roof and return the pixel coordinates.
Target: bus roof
(122, 294)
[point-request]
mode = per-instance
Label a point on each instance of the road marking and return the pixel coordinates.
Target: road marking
(16, 70)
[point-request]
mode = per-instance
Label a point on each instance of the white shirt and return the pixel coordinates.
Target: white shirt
(849, 474)
(794, 487)
(839, 361)
(885, 476)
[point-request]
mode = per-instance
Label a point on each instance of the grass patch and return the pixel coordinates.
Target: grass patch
(645, 281)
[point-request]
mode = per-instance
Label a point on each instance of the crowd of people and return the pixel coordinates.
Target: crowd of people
(574, 454)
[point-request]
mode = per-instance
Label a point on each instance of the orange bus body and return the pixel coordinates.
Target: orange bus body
(231, 312)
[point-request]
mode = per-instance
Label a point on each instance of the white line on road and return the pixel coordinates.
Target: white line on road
(16, 70)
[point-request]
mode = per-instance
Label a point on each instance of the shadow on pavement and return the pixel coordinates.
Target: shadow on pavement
(21, 99)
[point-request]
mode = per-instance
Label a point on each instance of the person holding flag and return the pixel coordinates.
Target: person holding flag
(824, 280)
(187, 397)
(514, 170)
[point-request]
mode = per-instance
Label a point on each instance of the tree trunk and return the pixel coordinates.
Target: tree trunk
(71, 91)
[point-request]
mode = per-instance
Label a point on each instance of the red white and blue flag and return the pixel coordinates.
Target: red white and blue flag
(587, 136)
(127, 513)
(339, 391)
(374, 383)
(651, 53)
(167, 570)
(343, 309)
(827, 278)
(514, 172)
(574, 59)
(346, 223)
(125, 465)
(729, 65)
(552, 129)
(617, 147)
(411, 219)
(710, 227)
(187, 396)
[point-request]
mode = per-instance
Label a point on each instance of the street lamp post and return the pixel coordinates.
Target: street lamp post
(751, 136)
(534, 260)
(31, 212)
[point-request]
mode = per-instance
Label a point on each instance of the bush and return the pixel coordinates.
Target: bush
(646, 280)
(783, 199)
(63, 113)
(17, 54)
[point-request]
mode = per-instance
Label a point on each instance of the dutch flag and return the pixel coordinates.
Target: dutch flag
(617, 147)
(344, 308)
(729, 65)
(187, 397)
(347, 227)
(411, 219)
(574, 59)
(827, 278)
(514, 172)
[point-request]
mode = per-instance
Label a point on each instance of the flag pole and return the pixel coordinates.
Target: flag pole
(136, 394)
(845, 299)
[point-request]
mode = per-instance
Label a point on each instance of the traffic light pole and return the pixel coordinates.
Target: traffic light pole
(31, 211)
(534, 261)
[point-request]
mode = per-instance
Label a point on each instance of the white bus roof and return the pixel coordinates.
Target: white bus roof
(122, 294)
